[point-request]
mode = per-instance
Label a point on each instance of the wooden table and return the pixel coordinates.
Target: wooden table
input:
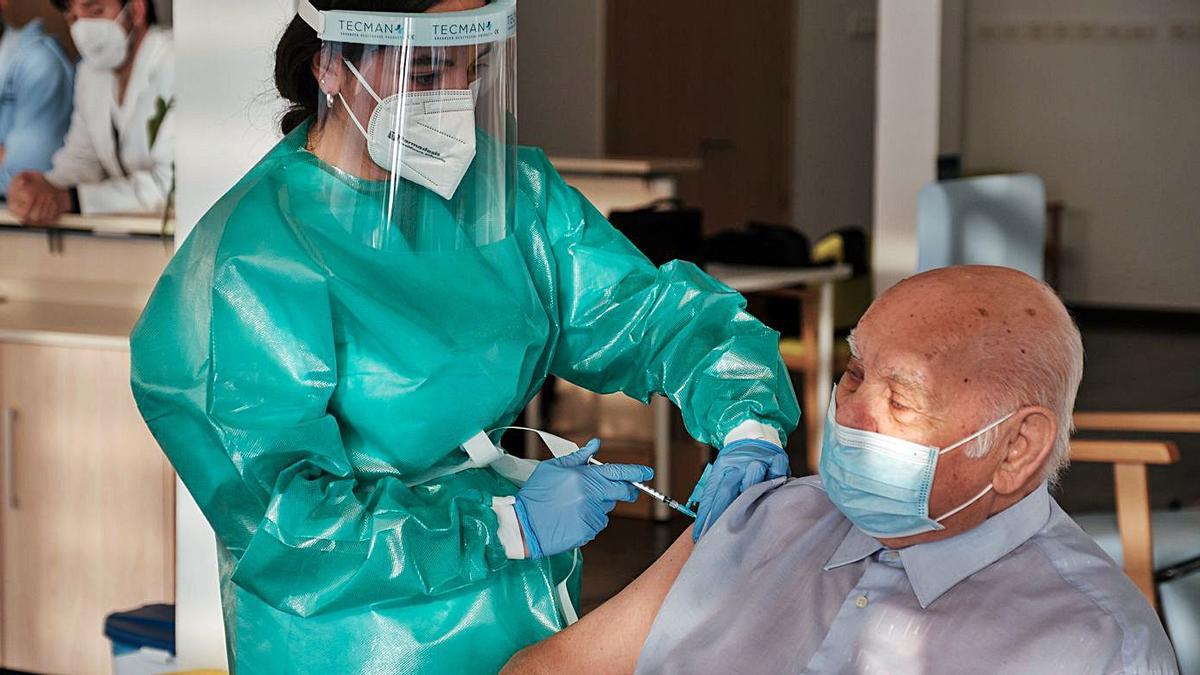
(616, 183)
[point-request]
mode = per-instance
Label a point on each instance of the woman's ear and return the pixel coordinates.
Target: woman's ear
(326, 73)
(1027, 447)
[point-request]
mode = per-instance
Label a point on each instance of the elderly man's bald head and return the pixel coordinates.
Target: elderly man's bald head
(998, 338)
(948, 353)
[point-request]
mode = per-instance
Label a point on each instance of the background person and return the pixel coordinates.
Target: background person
(36, 90)
(108, 164)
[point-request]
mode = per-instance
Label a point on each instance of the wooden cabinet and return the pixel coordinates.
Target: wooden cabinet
(87, 524)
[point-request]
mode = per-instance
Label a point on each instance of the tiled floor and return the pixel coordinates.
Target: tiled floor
(1134, 362)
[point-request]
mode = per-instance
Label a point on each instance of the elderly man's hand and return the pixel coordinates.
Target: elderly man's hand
(35, 201)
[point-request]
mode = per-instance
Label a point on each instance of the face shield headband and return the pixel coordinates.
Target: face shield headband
(495, 22)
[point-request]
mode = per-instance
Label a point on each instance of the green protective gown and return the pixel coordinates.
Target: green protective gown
(295, 373)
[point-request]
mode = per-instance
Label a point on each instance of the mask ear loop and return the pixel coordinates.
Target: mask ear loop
(977, 434)
(964, 441)
(965, 504)
(128, 31)
(363, 81)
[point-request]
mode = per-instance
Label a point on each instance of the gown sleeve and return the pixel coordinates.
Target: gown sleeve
(631, 327)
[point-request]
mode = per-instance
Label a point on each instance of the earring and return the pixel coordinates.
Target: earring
(328, 96)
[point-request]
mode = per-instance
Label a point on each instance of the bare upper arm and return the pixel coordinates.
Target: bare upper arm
(609, 639)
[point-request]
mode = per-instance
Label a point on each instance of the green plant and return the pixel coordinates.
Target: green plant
(153, 127)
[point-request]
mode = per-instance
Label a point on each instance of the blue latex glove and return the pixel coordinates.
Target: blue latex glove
(565, 503)
(740, 466)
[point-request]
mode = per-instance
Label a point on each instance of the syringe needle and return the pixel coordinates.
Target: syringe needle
(654, 493)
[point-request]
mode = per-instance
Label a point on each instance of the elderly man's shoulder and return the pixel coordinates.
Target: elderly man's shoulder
(1072, 603)
(1063, 583)
(788, 503)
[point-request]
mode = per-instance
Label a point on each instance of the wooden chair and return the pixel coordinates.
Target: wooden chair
(1152, 422)
(1172, 583)
(1129, 460)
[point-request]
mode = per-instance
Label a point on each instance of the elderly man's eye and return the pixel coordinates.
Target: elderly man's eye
(898, 406)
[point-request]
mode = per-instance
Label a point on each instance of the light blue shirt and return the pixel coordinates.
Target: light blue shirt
(785, 584)
(37, 85)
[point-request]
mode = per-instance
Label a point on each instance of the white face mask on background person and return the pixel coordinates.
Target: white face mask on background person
(434, 134)
(102, 43)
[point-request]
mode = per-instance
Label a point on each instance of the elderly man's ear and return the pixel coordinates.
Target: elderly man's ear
(1027, 447)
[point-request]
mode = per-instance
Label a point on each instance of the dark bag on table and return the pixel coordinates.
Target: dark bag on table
(762, 245)
(664, 231)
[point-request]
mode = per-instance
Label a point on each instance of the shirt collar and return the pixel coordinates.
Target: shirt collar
(13, 37)
(855, 546)
(938, 566)
(33, 27)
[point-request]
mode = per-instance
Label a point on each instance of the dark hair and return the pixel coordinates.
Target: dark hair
(151, 14)
(298, 46)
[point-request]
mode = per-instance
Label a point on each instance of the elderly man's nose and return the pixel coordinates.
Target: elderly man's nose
(854, 412)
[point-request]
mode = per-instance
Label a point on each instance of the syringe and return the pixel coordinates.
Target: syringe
(655, 493)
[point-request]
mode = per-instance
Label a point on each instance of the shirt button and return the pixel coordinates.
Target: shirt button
(861, 601)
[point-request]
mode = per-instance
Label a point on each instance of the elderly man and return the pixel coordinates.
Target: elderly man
(929, 544)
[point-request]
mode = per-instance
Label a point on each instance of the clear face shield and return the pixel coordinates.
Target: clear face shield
(417, 123)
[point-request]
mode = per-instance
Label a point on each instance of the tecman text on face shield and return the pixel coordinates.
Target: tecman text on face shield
(462, 29)
(361, 27)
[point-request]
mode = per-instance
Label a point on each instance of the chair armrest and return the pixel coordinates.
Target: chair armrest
(1157, 422)
(1124, 452)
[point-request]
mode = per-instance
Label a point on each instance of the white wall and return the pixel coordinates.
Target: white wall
(560, 76)
(227, 120)
(834, 104)
(954, 20)
(907, 132)
(1110, 123)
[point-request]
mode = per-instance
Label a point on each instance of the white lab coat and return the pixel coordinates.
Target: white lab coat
(140, 180)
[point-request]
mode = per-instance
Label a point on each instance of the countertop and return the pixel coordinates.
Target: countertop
(625, 166)
(101, 224)
(63, 325)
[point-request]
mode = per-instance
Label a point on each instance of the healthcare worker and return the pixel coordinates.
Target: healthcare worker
(395, 278)
(108, 163)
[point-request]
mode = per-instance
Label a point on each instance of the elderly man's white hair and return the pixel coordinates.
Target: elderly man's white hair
(1048, 374)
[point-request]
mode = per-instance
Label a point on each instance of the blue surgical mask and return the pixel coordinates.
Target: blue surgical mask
(882, 483)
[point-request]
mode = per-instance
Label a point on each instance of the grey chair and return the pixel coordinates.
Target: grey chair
(988, 220)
